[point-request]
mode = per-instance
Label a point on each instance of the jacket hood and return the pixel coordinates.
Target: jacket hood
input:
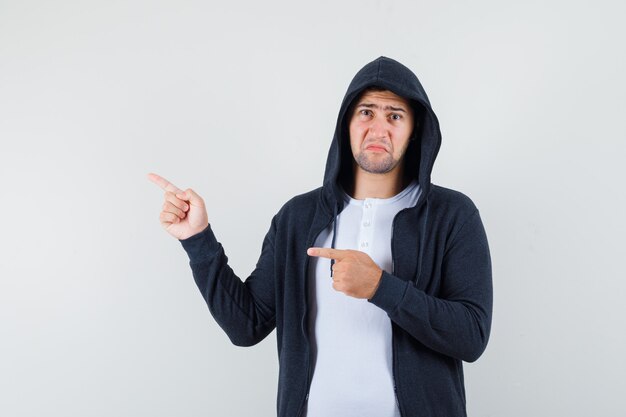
(421, 153)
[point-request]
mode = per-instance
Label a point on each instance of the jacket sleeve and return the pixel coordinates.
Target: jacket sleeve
(244, 310)
(457, 322)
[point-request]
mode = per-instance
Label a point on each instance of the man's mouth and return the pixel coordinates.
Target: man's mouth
(376, 148)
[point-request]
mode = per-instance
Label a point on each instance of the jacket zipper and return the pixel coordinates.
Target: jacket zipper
(306, 318)
(393, 339)
(420, 201)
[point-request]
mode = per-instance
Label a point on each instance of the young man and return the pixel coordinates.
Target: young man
(378, 283)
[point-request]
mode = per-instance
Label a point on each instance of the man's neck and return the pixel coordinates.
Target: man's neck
(368, 185)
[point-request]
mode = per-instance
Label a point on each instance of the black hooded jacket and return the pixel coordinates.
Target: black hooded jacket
(438, 296)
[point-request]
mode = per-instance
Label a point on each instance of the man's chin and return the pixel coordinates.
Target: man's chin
(376, 168)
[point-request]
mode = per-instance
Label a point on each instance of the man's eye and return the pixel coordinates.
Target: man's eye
(365, 112)
(396, 116)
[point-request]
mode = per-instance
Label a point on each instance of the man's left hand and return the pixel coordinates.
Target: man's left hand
(354, 272)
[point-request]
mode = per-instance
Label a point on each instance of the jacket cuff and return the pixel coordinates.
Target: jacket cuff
(201, 246)
(390, 292)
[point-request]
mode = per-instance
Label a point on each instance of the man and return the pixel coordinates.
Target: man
(378, 283)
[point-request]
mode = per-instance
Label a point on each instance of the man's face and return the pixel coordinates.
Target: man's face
(380, 127)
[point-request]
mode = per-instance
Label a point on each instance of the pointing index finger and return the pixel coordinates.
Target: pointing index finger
(329, 253)
(163, 183)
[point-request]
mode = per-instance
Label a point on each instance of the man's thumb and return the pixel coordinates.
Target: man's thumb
(191, 196)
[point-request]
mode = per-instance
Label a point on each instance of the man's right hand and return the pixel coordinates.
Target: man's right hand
(184, 213)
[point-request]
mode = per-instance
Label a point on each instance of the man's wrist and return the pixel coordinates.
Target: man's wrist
(380, 277)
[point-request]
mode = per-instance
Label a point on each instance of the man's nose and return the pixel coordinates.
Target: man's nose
(378, 128)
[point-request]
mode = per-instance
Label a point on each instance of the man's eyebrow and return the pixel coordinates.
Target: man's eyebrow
(376, 106)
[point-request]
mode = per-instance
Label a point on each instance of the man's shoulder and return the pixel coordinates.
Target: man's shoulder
(305, 199)
(447, 199)
(301, 204)
(296, 215)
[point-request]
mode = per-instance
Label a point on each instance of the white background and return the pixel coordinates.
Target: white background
(99, 314)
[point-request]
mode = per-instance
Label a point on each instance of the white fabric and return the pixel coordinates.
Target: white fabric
(351, 337)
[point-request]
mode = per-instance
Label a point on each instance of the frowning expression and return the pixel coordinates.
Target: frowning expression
(380, 127)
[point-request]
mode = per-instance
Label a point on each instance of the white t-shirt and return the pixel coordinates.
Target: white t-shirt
(350, 337)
